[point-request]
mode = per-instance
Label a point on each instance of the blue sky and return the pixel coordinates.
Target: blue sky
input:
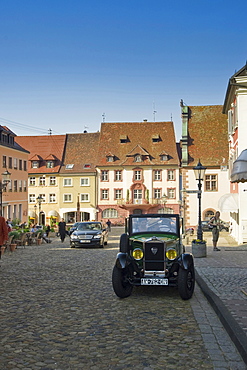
(65, 63)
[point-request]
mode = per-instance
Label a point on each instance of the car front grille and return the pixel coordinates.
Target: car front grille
(154, 256)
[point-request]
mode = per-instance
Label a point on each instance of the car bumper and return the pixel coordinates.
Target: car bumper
(85, 243)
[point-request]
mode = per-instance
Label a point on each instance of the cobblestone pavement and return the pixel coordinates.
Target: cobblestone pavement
(58, 311)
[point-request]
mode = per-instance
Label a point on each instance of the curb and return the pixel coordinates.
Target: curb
(232, 327)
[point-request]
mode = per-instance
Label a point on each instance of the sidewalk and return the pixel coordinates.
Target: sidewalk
(222, 276)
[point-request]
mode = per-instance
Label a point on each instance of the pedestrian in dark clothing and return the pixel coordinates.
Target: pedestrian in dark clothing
(62, 229)
(108, 223)
(48, 229)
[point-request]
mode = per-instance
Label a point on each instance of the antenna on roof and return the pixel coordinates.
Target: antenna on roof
(103, 116)
(49, 131)
(154, 111)
(171, 117)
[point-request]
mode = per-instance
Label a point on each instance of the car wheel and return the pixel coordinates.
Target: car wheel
(186, 282)
(121, 286)
(124, 243)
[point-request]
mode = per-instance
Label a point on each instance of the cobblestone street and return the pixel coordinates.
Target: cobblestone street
(58, 311)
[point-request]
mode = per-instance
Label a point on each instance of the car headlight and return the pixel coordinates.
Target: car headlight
(73, 237)
(137, 254)
(98, 236)
(171, 254)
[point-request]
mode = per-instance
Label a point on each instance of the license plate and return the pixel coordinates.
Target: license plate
(85, 241)
(155, 281)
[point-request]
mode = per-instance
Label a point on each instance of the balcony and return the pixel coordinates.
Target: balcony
(139, 203)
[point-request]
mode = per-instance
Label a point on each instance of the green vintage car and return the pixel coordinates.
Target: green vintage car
(152, 253)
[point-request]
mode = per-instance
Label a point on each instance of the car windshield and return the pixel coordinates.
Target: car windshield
(89, 226)
(154, 224)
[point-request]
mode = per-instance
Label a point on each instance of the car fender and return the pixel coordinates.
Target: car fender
(186, 261)
(122, 260)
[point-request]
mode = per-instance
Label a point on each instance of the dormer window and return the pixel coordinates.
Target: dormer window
(123, 139)
(109, 158)
(138, 158)
(87, 165)
(49, 164)
(69, 166)
(156, 138)
(164, 157)
(35, 164)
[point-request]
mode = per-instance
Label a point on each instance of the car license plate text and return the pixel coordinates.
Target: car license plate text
(155, 281)
(85, 241)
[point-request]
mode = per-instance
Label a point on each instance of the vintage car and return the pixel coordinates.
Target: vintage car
(88, 234)
(151, 253)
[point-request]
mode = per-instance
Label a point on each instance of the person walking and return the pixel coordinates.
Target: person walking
(214, 224)
(3, 233)
(62, 229)
(108, 223)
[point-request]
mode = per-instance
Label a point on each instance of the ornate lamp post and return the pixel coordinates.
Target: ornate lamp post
(199, 171)
(35, 214)
(3, 185)
(39, 200)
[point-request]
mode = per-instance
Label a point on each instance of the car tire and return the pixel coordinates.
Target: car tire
(121, 288)
(186, 282)
(124, 243)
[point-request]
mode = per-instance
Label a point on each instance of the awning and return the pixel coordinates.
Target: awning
(52, 213)
(239, 169)
(228, 203)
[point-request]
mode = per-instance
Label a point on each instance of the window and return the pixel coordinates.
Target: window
(15, 185)
(137, 194)
(52, 180)
(20, 164)
(49, 164)
(110, 213)
(85, 197)
(69, 166)
(42, 196)
(118, 193)
(170, 175)
(138, 158)
(25, 165)
(137, 175)
(211, 183)
(67, 182)
(67, 198)
(157, 193)
(157, 175)
(32, 198)
(35, 164)
(164, 157)
(104, 194)
(52, 198)
(31, 181)
(104, 175)
(10, 162)
(118, 175)
(10, 186)
(171, 193)
(87, 165)
(156, 138)
(4, 161)
(85, 181)
(15, 163)
(20, 185)
(109, 158)
(24, 185)
(42, 180)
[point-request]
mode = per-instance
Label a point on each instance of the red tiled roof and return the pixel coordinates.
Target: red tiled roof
(207, 135)
(81, 152)
(43, 146)
(139, 137)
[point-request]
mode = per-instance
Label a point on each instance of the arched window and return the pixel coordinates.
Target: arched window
(166, 210)
(208, 214)
(110, 213)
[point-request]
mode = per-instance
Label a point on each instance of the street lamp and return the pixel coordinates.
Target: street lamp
(39, 200)
(35, 214)
(3, 185)
(199, 171)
